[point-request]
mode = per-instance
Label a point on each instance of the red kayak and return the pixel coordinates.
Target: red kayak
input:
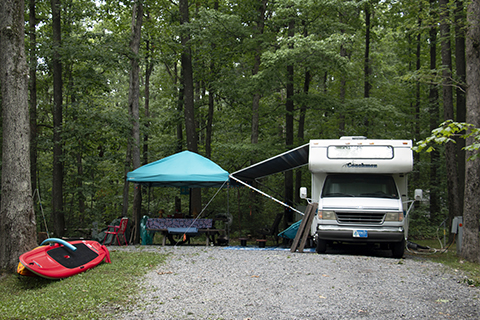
(61, 259)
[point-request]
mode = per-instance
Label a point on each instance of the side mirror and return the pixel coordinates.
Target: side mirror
(418, 194)
(303, 193)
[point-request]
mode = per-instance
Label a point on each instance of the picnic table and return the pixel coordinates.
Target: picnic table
(183, 226)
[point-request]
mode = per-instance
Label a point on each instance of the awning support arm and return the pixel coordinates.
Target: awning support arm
(266, 195)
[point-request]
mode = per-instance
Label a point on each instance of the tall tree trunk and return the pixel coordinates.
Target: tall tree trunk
(148, 73)
(471, 212)
(289, 106)
(259, 29)
(448, 113)
(366, 62)
(301, 131)
(211, 104)
(17, 217)
(32, 88)
(343, 86)
(460, 90)
(134, 110)
(180, 117)
(58, 215)
(126, 170)
(81, 195)
(342, 95)
(189, 106)
(418, 55)
(189, 101)
(434, 119)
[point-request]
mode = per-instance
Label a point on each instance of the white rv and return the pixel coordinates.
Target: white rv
(360, 186)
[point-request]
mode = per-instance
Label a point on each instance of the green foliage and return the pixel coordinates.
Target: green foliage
(423, 225)
(323, 39)
(88, 295)
(446, 132)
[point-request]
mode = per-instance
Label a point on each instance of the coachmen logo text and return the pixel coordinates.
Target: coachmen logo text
(359, 165)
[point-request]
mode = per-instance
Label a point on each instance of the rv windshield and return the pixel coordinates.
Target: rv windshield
(360, 185)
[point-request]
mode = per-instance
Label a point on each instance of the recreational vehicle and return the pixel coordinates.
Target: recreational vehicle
(360, 186)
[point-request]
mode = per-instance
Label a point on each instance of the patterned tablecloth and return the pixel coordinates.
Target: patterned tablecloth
(165, 223)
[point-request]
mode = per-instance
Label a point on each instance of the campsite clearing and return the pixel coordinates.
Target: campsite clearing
(199, 282)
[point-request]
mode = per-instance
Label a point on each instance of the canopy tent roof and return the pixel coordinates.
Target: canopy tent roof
(184, 169)
(289, 160)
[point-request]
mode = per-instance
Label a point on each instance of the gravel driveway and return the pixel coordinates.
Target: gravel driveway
(200, 282)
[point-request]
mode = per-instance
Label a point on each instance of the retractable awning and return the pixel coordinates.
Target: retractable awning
(289, 160)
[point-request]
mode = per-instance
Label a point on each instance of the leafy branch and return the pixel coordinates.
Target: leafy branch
(446, 132)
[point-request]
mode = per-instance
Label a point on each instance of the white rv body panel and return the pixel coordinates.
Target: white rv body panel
(363, 156)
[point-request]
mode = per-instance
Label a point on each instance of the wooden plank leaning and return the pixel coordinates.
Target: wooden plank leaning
(306, 231)
(303, 229)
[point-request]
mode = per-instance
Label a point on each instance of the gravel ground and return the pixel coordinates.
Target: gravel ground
(200, 282)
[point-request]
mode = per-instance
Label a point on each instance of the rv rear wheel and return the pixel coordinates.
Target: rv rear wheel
(321, 246)
(398, 249)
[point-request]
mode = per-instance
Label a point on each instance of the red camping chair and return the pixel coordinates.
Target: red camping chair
(120, 229)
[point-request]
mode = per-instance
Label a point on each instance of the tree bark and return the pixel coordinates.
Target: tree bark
(179, 127)
(127, 167)
(471, 212)
(301, 132)
(418, 55)
(211, 103)
(188, 98)
(209, 129)
(460, 90)
(342, 95)
(32, 88)
(17, 217)
(367, 69)
(434, 119)
(259, 29)
(189, 101)
(343, 84)
(134, 110)
(149, 65)
(58, 215)
(289, 106)
(448, 114)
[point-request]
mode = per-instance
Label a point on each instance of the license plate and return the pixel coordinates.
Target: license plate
(360, 234)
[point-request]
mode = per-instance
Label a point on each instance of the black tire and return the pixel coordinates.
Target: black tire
(398, 249)
(321, 246)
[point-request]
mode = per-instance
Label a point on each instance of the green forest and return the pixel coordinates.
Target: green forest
(114, 85)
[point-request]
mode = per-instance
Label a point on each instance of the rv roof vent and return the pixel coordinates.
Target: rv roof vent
(353, 138)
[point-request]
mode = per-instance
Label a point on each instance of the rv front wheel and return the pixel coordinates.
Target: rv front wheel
(321, 246)
(398, 249)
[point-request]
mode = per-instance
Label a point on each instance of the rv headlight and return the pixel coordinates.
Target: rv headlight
(394, 216)
(327, 215)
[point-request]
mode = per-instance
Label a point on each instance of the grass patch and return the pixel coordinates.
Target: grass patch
(450, 258)
(84, 296)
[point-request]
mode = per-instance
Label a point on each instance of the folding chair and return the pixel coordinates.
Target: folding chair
(120, 229)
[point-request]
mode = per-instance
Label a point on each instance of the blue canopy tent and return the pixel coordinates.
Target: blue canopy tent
(181, 170)
(184, 169)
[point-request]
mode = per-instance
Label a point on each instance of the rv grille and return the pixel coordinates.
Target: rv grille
(364, 217)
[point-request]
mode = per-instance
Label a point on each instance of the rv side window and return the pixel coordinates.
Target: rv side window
(360, 185)
(360, 152)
